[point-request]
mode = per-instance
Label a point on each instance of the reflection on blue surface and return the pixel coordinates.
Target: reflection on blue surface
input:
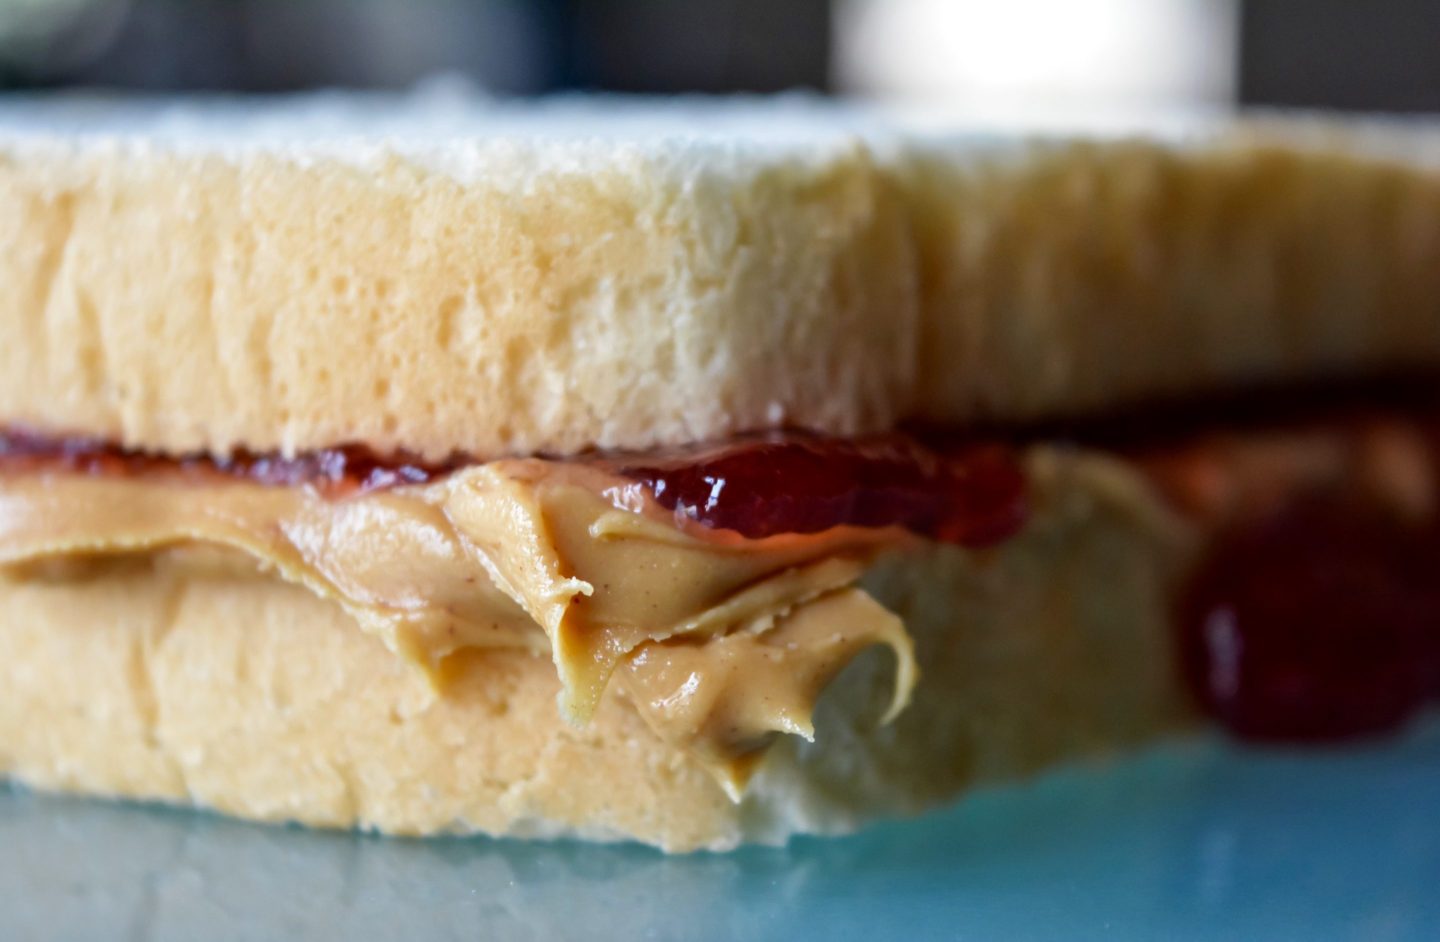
(1191, 841)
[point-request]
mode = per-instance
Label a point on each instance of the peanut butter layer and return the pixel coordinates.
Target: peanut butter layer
(719, 641)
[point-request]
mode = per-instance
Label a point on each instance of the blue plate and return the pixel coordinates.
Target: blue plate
(1193, 840)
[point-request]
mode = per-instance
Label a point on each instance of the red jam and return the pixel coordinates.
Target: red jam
(1320, 621)
(973, 495)
(342, 470)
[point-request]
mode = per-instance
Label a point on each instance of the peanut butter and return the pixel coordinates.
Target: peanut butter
(719, 641)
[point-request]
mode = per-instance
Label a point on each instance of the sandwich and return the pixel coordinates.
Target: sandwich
(695, 474)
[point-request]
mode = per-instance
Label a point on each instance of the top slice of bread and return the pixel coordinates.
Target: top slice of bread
(506, 279)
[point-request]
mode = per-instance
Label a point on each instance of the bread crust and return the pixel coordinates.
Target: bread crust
(514, 295)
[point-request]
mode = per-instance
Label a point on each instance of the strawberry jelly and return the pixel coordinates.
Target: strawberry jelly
(339, 471)
(1320, 621)
(973, 495)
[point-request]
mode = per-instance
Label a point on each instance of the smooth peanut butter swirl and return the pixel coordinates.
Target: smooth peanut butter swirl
(719, 641)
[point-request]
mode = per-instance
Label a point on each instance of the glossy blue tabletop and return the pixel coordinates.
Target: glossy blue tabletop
(1191, 840)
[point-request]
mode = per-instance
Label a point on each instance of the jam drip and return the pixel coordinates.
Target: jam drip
(972, 495)
(1319, 622)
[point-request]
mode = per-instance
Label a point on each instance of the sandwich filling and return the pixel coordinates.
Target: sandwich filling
(715, 588)
(721, 636)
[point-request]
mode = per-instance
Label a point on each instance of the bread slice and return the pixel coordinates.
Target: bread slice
(1081, 278)
(198, 679)
(467, 276)
(464, 289)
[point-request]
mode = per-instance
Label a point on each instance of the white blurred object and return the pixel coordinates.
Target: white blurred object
(1038, 55)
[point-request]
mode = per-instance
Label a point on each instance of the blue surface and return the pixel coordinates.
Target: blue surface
(1190, 841)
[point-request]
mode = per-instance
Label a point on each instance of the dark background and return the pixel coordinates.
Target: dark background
(1354, 54)
(1381, 55)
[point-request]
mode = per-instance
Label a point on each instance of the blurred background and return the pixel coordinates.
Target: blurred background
(1014, 56)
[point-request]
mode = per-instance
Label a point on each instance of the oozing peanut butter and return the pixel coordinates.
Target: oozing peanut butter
(718, 641)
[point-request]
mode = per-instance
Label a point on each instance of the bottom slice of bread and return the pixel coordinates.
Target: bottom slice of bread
(190, 678)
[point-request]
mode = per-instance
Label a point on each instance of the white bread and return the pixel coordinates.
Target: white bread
(495, 280)
(161, 677)
(495, 294)
(1092, 276)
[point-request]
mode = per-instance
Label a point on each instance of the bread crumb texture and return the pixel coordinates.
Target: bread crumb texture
(512, 292)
